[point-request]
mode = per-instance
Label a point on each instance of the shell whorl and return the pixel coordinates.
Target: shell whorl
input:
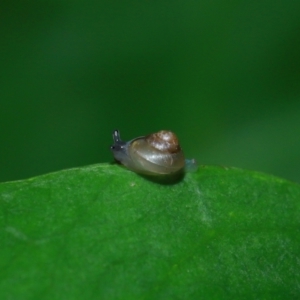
(164, 140)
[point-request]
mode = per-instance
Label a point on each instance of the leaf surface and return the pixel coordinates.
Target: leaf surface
(103, 232)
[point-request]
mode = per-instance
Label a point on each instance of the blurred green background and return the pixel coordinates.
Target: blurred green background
(224, 75)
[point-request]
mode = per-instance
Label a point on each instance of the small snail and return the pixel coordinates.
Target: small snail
(154, 154)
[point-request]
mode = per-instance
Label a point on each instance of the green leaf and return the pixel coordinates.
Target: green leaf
(103, 232)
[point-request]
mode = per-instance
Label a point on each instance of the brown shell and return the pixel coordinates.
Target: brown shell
(164, 140)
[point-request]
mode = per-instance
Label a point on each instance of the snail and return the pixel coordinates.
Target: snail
(154, 154)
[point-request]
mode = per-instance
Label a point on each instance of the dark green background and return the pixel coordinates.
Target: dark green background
(224, 75)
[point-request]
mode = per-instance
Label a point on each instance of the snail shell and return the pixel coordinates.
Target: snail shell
(155, 154)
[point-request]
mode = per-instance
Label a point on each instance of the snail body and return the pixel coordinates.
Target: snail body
(155, 154)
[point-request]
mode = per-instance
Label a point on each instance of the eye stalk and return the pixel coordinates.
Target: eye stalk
(116, 136)
(119, 148)
(118, 143)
